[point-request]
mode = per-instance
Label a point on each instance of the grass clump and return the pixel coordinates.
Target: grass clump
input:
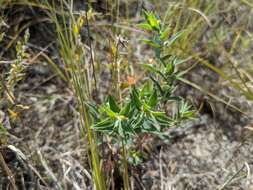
(78, 71)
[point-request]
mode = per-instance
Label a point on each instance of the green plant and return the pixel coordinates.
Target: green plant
(143, 109)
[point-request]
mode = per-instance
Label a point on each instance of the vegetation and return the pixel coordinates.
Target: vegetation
(155, 58)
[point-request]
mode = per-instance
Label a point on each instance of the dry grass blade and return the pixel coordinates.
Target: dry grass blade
(229, 180)
(247, 3)
(222, 74)
(211, 95)
(49, 171)
(202, 14)
(8, 172)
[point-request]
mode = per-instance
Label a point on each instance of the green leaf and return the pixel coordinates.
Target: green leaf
(180, 61)
(152, 20)
(138, 121)
(129, 130)
(151, 43)
(118, 126)
(146, 89)
(151, 68)
(153, 99)
(185, 111)
(174, 98)
(93, 109)
(109, 112)
(125, 110)
(160, 120)
(164, 121)
(113, 105)
(158, 113)
(169, 42)
(146, 107)
(106, 124)
(145, 26)
(147, 125)
(165, 34)
(157, 84)
(170, 68)
(155, 123)
(135, 157)
(135, 98)
(164, 58)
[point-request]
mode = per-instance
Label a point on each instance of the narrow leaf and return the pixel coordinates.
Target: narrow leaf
(102, 125)
(165, 34)
(125, 110)
(145, 26)
(170, 68)
(153, 99)
(135, 98)
(173, 39)
(151, 43)
(113, 105)
(152, 20)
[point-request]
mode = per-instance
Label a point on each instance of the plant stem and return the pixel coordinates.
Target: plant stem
(125, 164)
(116, 73)
(90, 50)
